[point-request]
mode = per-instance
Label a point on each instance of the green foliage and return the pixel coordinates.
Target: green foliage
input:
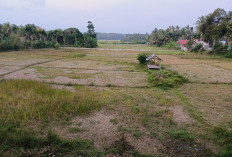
(190, 44)
(51, 44)
(219, 48)
(10, 43)
(165, 78)
(18, 141)
(197, 48)
(39, 44)
(160, 37)
(91, 31)
(57, 45)
(142, 58)
(14, 37)
(172, 45)
(89, 42)
(75, 130)
(229, 54)
(181, 134)
(215, 26)
(225, 138)
(135, 38)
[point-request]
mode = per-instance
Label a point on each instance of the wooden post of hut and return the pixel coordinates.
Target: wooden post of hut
(154, 62)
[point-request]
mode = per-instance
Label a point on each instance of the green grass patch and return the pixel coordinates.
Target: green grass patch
(165, 78)
(225, 139)
(22, 100)
(76, 55)
(16, 141)
(76, 130)
(181, 134)
(114, 121)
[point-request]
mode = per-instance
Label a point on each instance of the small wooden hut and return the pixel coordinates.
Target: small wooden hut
(154, 62)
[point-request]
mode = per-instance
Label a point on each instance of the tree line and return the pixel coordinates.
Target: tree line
(214, 29)
(135, 38)
(13, 37)
(160, 37)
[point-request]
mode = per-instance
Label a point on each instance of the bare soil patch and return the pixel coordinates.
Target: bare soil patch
(180, 115)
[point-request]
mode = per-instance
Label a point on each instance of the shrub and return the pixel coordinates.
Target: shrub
(172, 45)
(51, 44)
(39, 44)
(57, 45)
(219, 48)
(197, 48)
(90, 42)
(142, 58)
(165, 78)
(229, 54)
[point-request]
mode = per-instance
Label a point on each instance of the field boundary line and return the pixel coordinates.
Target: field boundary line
(27, 66)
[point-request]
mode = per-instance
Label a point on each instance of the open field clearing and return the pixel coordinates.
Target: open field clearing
(89, 102)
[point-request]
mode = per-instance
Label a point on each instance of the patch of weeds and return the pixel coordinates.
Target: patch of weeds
(161, 113)
(79, 123)
(16, 141)
(114, 121)
(121, 146)
(109, 85)
(137, 134)
(181, 134)
(91, 84)
(165, 79)
(122, 129)
(77, 55)
(153, 135)
(76, 130)
(135, 108)
(145, 117)
(225, 139)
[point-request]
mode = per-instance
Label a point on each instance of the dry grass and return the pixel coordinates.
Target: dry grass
(154, 121)
(28, 101)
(214, 101)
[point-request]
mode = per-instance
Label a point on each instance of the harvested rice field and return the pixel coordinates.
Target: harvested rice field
(99, 102)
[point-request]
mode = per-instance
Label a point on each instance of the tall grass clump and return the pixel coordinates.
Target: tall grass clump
(165, 78)
(22, 100)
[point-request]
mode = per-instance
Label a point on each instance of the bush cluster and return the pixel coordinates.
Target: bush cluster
(172, 45)
(142, 58)
(197, 48)
(165, 78)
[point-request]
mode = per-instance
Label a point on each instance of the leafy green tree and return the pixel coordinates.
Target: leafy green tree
(91, 31)
(90, 38)
(89, 42)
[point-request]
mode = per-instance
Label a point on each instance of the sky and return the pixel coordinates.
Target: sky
(108, 16)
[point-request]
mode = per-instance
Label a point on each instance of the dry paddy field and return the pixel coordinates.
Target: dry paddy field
(98, 103)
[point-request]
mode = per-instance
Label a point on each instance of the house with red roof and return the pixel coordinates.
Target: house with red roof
(183, 44)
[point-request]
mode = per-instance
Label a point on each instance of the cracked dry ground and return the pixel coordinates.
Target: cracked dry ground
(145, 116)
